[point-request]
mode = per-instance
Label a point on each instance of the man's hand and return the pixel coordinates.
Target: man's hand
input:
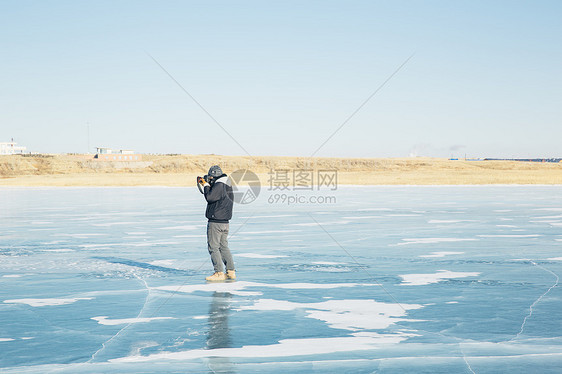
(202, 181)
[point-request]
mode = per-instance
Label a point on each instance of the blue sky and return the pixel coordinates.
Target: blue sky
(282, 76)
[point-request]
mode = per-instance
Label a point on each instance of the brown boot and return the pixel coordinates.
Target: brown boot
(217, 277)
(231, 274)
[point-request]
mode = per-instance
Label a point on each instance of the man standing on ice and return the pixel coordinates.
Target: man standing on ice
(217, 189)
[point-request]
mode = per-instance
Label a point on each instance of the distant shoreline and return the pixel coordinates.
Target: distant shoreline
(181, 170)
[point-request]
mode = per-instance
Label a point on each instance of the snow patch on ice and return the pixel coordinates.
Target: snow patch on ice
(270, 231)
(434, 240)
(139, 346)
(374, 210)
(555, 258)
(184, 227)
(258, 255)
(285, 348)
(162, 262)
(361, 217)
(311, 224)
(237, 288)
(402, 215)
(109, 224)
(308, 286)
(88, 246)
(103, 320)
(353, 315)
(446, 221)
(510, 236)
(81, 236)
(152, 244)
(270, 216)
(441, 254)
(55, 242)
(45, 302)
(423, 279)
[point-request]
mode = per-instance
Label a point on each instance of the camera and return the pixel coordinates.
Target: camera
(207, 179)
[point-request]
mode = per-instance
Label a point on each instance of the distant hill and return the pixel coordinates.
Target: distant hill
(180, 170)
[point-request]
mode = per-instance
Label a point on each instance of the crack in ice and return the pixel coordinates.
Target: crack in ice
(536, 301)
(465, 360)
(104, 345)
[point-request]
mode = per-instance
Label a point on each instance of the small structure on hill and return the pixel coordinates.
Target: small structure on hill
(10, 148)
(108, 154)
(526, 159)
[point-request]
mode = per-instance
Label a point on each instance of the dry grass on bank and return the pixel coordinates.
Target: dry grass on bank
(181, 170)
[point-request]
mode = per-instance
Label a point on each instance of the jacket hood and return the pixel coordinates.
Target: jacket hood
(224, 179)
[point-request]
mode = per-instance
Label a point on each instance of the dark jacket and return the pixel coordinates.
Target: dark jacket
(220, 199)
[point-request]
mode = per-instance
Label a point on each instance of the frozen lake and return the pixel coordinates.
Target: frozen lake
(384, 279)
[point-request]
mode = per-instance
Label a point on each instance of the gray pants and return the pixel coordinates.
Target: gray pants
(217, 243)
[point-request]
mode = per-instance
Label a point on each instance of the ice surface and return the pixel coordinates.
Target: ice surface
(387, 279)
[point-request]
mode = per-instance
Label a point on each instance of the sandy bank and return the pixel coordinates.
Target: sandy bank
(181, 170)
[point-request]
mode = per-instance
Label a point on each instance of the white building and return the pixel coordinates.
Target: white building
(10, 148)
(109, 151)
(108, 154)
(104, 151)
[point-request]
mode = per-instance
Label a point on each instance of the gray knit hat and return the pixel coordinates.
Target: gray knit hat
(215, 171)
